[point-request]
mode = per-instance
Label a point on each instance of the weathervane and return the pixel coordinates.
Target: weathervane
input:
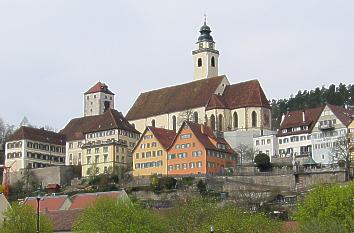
(205, 19)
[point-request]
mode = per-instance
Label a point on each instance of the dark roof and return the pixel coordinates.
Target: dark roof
(245, 94)
(344, 115)
(205, 34)
(195, 94)
(205, 135)
(173, 99)
(39, 135)
(63, 220)
(111, 119)
(99, 87)
(164, 136)
(294, 119)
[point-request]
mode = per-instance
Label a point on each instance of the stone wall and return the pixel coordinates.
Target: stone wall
(61, 175)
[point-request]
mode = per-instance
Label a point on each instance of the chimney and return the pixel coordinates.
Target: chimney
(303, 116)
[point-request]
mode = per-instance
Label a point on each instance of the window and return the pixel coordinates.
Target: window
(97, 159)
(97, 150)
(268, 141)
(174, 123)
(105, 158)
(191, 165)
(254, 119)
(200, 63)
(212, 61)
(159, 152)
(88, 159)
(212, 122)
(199, 164)
(105, 149)
(88, 151)
(257, 142)
(220, 122)
(137, 156)
(70, 145)
(186, 136)
(195, 117)
(171, 156)
(235, 119)
(153, 123)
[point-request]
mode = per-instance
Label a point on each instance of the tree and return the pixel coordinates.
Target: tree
(5, 131)
(185, 116)
(245, 154)
(340, 149)
(263, 162)
(202, 188)
(22, 219)
(198, 215)
(111, 216)
(327, 204)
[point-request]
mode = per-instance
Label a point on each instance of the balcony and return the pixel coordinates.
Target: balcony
(325, 127)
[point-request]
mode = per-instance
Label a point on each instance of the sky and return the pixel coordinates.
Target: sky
(51, 52)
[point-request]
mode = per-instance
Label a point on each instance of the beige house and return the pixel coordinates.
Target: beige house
(100, 142)
(34, 148)
(209, 99)
(150, 153)
(351, 141)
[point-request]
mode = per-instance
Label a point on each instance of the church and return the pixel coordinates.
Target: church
(209, 99)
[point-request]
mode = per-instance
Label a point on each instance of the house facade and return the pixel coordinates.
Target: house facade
(331, 127)
(210, 99)
(150, 152)
(197, 150)
(102, 140)
(30, 147)
(267, 144)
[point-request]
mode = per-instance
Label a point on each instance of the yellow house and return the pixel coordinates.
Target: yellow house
(351, 140)
(149, 154)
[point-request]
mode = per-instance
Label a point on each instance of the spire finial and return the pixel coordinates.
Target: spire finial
(205, 19)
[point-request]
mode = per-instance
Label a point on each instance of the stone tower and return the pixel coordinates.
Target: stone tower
(206, 57)
(98, 99)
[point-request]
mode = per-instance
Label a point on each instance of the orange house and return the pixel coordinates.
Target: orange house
(197, 150)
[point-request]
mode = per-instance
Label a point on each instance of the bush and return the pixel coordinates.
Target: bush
(341, 163)
(201, 185)
(263, 162)
(163, 183)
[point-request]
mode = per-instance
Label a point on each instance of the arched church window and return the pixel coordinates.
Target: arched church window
(195, 117)
(212, 122)
(200, 63)
(212, 61)
(235, 117)
(174, 123)
(153, 123)
(254, 119)
(220, 122)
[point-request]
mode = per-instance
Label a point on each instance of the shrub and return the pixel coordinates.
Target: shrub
(263, 162)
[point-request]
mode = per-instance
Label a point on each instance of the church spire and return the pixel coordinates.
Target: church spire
(205, 56)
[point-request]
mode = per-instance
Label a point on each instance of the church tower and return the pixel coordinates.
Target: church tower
(98, 99)
(206, 57)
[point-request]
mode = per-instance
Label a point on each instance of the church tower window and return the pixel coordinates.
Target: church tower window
(200, 62)
(212, 61)
(254, 119)
(153, 123)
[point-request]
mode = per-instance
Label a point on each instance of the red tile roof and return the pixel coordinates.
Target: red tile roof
(205, 135)
(39, 135)
(173, 99)
(195, 94)
(99, 87)
(47, 203)
(215, 102)
(111, 119)
(164, 136)
(63, 220)
(84, 200)
(245, 94)
(344, 115)
(294, 119)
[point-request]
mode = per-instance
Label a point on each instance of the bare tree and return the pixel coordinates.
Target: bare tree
(5, 131)
(186, 115)
(340, 150)
(245, 154)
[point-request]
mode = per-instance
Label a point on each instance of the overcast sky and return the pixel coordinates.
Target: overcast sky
(52, 51)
